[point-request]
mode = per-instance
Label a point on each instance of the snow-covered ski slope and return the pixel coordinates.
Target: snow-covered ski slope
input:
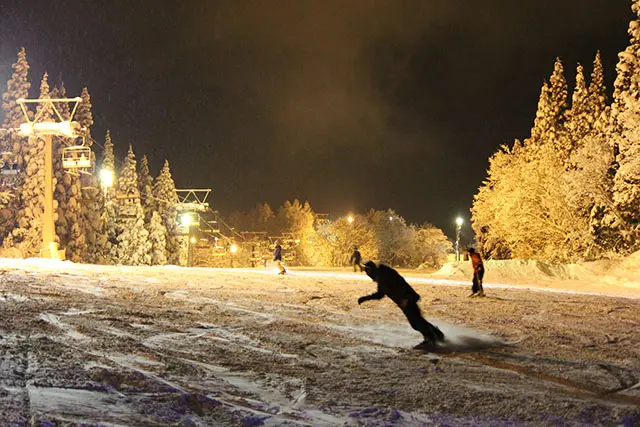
(138, 346)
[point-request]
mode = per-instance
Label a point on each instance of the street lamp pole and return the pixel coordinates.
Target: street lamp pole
(459, 222)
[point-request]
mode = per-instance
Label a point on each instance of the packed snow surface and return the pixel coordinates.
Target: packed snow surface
(156, 346)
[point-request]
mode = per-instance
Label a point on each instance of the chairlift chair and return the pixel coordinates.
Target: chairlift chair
(76, 158)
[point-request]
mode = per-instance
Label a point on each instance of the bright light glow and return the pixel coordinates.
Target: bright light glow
(106, 177)
(186, 220)
(26, 129)
(233, 249)
(47, 128)
(459, 221)
(193, 240)
(350, 219)
(390, 218)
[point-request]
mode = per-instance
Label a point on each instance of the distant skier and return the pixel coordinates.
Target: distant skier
(356, 259)
(478, 273)
(393, 285)
(277, 257)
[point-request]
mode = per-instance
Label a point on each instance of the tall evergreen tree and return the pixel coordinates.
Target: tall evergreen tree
(545, 120)
(558, 88)
(597, 98)
(109, 163)
(133, 246)
(625, 87)
(90, 186)
(107, 234)
(17, 87)
(68, 192)
(27, 236)
(158, 239)
(145, 185)
(579, 118)
(164, 192)
(626, 183)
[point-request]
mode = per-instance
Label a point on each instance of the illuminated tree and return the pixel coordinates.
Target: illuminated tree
(158, 239)
(164, 193)
(597, 93)
(579, 118)
(92, 208)
(544, 120)
(626, 183)
(27, 236)
(625, 87)
(17, 87)
(297, 219)
(133, 246)
(68, 192)
(145, 186)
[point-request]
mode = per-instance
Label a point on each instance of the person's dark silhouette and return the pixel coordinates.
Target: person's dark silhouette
(392, 284)
(356, 259)
(277, 257)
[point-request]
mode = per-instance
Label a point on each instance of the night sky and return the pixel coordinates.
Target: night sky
(349, 104)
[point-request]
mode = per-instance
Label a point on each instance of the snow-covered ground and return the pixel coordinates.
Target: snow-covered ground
(141, 346)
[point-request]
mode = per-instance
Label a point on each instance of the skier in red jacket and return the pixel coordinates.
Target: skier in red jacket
(478, 273)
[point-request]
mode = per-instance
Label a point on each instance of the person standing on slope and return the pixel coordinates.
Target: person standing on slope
(478, 273)
(355, 260)
(277, 257)
(392, 284)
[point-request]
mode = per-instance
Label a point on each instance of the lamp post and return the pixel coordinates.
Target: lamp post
(459, 222)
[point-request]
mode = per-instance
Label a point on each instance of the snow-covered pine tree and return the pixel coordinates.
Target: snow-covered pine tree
(69, 225)
(158, 239)
(579, 118)
(626, 183)
(145, 185)
(625, 134)
(27, 236)
(558, 92)
(164, 193)
(17, 87)
(544, 120)
(558, 89)
(625, 86)
(597, 98)
(90, 187)
(109, 164)
(108, 233)
(133, 246)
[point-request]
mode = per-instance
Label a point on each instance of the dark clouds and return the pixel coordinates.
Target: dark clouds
(350, 104)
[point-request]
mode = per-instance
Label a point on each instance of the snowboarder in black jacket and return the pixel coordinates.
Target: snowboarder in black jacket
(392, 284)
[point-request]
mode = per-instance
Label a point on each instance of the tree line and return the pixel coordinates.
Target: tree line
(132, 222)
(571, 190)
(382, 235)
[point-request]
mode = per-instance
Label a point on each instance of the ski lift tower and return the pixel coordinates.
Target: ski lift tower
(76, 159)
(190, 203)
